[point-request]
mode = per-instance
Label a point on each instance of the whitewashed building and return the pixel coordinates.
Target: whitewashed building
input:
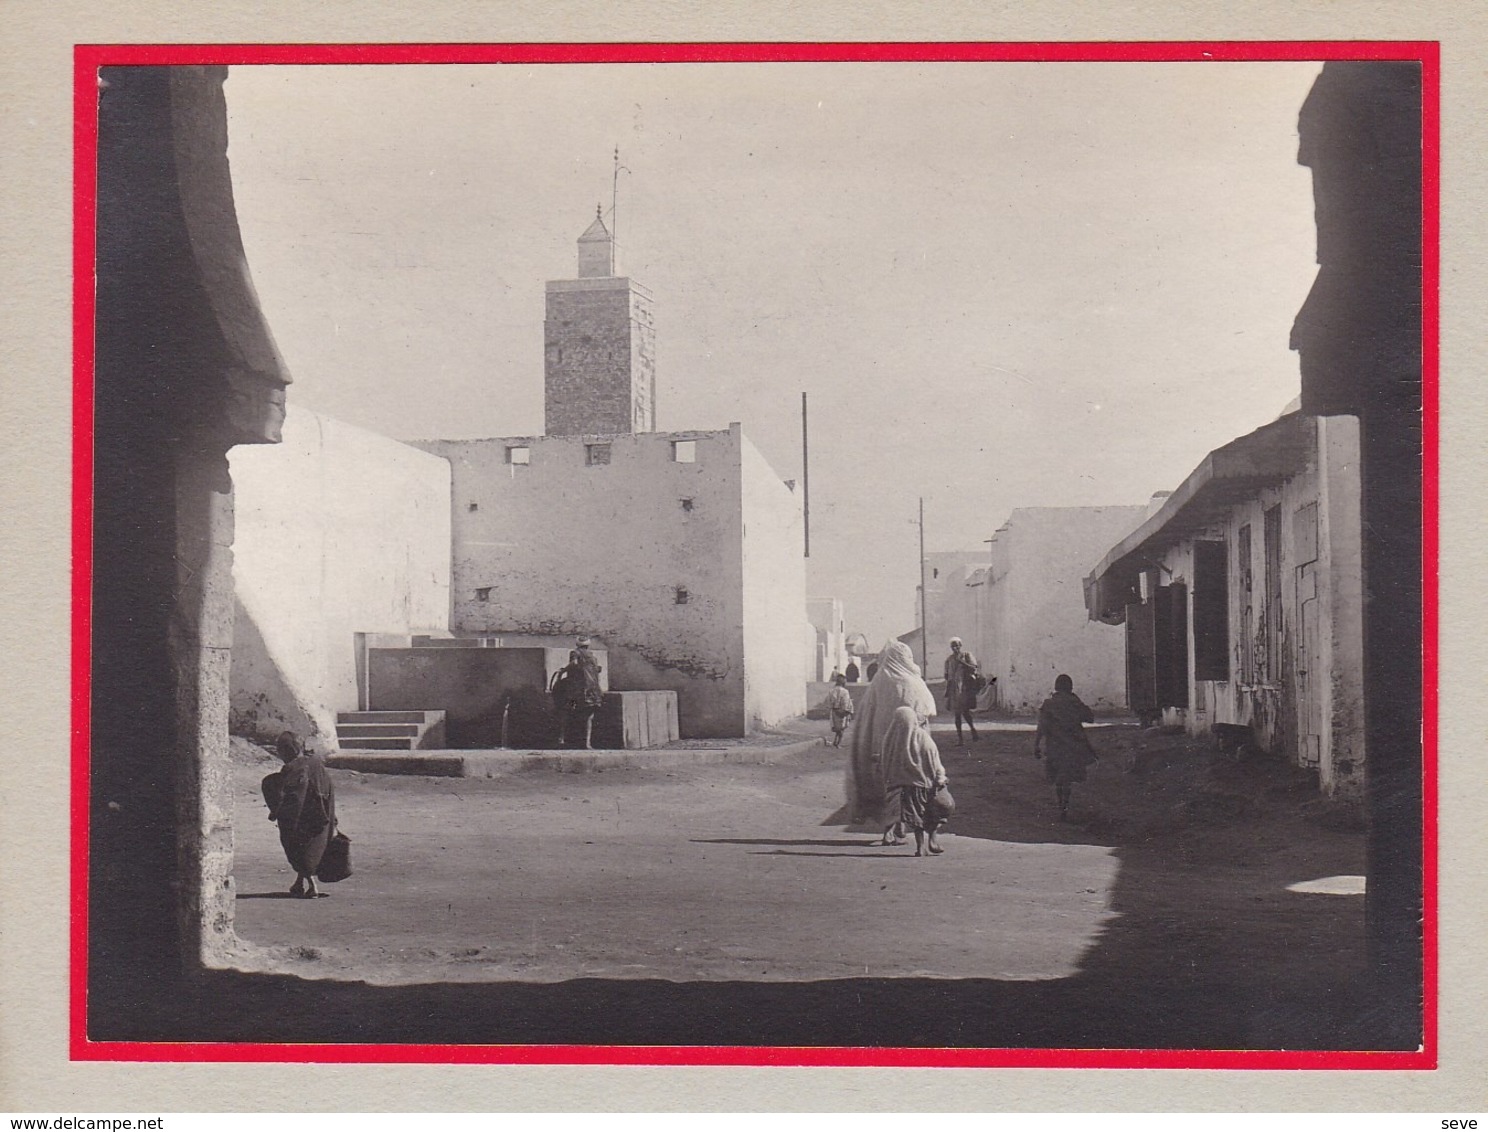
(1242, 602)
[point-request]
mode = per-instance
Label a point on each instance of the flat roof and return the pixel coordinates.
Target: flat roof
(1260, 459)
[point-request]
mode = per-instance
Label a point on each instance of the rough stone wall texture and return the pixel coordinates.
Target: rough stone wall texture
(201, 631)
(1030, 607)
(1342, 539)
(562, 546)
(340, 531)
(599, 371)
(184, 368)
(774, 593)
(642, 361)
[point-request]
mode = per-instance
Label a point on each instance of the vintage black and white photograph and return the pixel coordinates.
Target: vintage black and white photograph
(915, 554)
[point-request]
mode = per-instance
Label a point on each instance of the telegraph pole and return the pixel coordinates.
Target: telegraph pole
(924, 628)
(805, 479)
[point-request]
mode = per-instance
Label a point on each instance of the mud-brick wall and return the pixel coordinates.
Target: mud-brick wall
(599, 357)
(339, 531)
(1052, 632)
(637, 549)
(775, 621)
(1034, 620)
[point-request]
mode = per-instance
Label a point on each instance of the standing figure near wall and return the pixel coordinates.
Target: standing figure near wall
(963, 684)
(580, 694)
(897, 683)
(1061, 740)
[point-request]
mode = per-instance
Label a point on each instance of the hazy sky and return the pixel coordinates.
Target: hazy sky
(1002, 285)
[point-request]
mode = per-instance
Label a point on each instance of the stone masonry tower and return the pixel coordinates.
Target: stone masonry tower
(599, 371)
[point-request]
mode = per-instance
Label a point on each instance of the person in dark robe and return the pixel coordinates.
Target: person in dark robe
(303, 802)
(1061, 740)
(583, 696)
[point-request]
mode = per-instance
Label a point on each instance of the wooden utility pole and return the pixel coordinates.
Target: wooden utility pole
(924, 628)
(805, 479)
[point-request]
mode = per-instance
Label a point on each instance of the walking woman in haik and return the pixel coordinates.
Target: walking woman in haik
(302, 801)
(896, 683)
(912, 774)
(1061, 740)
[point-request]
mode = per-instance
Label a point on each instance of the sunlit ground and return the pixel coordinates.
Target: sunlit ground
(1331, 886)
(722, 874)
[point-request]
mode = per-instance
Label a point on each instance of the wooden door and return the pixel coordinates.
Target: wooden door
(1141, 662)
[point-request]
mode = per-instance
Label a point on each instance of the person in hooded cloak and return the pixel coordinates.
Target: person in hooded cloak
(1061, 740)
(912, 773)
(301, 799)
(897, 683)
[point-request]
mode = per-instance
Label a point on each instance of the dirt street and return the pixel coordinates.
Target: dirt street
(1160, 911)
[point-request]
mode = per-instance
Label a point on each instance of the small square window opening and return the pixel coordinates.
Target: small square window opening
(684, 451)
(475, 506)
(518, 454)
(483, 593)
(687, 505)
(596, 454)
(683, 597)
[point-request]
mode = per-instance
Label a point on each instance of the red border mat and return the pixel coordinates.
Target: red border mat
(89, 57)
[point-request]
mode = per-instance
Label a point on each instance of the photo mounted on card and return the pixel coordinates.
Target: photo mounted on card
(829, 554)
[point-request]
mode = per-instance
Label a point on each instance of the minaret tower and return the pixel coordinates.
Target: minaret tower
(599, 372)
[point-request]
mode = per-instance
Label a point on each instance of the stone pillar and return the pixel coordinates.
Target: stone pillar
(201, 631)
(1359, 340)
(185, 368)
(1343, 639)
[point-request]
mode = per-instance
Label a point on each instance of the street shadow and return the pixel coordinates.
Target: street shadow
(1232, 966)
(265, 896)
(862, 856)
(838, 843)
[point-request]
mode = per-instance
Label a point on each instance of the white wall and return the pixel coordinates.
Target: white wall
(567, 547)
(774, 593)
(826, 650)
(1271, 703)
(339, 531)
(1032, 617)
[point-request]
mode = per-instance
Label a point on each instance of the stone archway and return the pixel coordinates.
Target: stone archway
(185, 368)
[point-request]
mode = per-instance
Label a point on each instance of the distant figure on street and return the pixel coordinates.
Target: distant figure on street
(912, 774)
(896, 683)
(301, 799)
(963, 684)
(840, 705)
(853, 672)
(1061, 740)
(577, 696)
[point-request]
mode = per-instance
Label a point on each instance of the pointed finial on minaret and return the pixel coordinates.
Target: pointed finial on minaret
(599, 212)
